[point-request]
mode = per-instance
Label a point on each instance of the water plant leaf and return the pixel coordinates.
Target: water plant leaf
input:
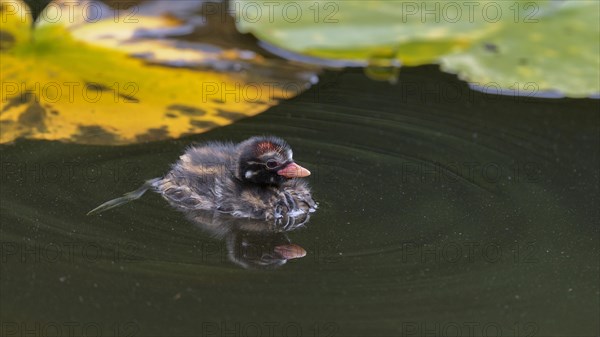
(554, 51)
(17, 28)
(56, 85)
(527, 47)
(356, 30)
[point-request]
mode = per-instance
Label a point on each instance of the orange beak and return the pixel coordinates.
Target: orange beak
(294, 170)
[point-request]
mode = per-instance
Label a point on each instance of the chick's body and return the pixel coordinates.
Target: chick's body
(208, 177)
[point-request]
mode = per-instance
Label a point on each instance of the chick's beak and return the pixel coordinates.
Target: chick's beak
(294, 170)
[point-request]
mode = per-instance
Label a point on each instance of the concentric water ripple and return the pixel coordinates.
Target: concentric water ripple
(432, 211)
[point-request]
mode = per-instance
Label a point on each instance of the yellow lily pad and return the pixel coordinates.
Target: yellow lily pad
(57, 87)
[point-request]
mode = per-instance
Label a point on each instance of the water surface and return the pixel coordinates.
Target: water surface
(442, 211)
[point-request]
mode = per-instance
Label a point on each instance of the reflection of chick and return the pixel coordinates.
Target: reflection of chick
(255, 179)
(250, 243)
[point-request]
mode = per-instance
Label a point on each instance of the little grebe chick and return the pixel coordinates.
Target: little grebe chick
(256, 179)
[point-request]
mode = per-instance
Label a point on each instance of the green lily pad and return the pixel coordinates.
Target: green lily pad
(358, 30)
(523, 46)
(556, 50)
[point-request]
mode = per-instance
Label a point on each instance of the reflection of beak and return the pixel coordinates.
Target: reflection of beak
(290, 251)
(294, 170)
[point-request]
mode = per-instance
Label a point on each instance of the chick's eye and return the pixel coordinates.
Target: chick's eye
(272, 163)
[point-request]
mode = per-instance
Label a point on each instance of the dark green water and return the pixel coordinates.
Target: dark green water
(442, 212)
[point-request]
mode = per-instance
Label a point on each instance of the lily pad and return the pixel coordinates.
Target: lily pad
(58, 83)
(555, 50)
(357, 30)
(526, 47)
